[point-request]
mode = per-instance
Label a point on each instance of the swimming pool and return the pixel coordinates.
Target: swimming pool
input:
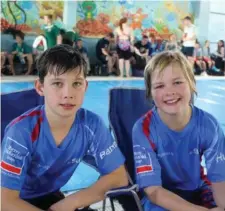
(211, 98)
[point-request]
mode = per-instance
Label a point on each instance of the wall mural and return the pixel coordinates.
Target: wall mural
(97, 18)
(27, 16)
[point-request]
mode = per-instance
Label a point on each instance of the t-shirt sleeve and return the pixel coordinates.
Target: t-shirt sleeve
(27, 49)
(147, 167)
(85, 50)
(14, 47)
(15, 159)
(137, 45)
(214, 152)
(56, 30)
(107, 154)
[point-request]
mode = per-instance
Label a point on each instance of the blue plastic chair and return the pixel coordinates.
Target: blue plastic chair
(126, 106)
(16, 103)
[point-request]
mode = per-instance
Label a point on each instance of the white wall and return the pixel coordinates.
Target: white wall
(201, 11)
(69, 14)
(216, 23)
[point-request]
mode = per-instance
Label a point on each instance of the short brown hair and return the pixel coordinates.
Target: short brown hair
(50, 16)
(162, 60)
(187, 18)
(121, 22)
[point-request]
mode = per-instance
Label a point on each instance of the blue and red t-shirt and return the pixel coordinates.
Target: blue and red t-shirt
(34, 165)
(173, 159)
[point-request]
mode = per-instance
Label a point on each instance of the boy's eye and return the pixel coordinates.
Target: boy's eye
(57, 84)
(178, 82)
(159, 86)
(77, 83)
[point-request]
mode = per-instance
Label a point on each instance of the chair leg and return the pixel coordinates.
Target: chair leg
(112, 204)
(103, 205)
(137, 200)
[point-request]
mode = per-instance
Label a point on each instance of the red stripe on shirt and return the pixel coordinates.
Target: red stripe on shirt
(36, 130)
(143, 169)
(32, 113)
(10, 168)
(146, 128)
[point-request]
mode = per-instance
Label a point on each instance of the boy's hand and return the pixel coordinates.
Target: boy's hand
(23, 55)
(62, 205)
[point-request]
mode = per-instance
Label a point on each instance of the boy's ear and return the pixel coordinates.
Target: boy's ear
(86, 85)
(39, 87)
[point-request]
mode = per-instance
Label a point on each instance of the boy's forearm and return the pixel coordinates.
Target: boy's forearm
(219, 194)
(96, 192)
(171, 201)
(17, 205)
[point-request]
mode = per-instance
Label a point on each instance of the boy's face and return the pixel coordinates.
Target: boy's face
(144, 41)
(47, 20)
(18, 39)
(186, 22)
(172, 37)
(63, 94)
(79, 44)
(170, 91)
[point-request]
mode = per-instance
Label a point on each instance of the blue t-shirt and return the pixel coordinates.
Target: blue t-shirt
(33, 164)
(173, 159)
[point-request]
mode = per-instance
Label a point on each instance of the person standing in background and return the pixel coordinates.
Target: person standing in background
(189, 38)
(52, 32)
(124, 40)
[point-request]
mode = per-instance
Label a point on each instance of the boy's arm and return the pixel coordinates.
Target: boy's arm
(95, 193)
(15, 159)
(170, 201)
(137, 51)
(219, 193)
(214, 152)
(11, 201)
(105, 52)
(110, 164)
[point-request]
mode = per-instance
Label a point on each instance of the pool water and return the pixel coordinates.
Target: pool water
(211, 98)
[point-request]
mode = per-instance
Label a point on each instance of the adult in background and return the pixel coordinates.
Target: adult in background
(104, 54)
(124, 39)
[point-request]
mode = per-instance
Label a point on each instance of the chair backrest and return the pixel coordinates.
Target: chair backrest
(126, 106)
(16, 103)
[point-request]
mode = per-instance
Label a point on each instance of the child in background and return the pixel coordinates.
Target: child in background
(79, 46)
(51, 31)
(170, 140)
(199, 63)
(21, 52)
(172, 43)
(206, 56)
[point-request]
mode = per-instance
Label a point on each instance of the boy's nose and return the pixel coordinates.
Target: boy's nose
(68, 92)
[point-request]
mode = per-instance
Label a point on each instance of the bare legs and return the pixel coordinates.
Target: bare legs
(123, 62)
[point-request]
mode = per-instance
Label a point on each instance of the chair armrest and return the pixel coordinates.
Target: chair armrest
(122, 190)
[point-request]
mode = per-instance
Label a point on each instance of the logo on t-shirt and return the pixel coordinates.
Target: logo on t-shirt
(143, 160)
(108, 151)
(220, 158)
(13, 157)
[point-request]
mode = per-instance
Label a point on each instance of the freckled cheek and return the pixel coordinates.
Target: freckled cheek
(157, 96)
(55, 94)
(185, 91)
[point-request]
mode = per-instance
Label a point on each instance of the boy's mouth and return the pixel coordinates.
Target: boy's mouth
(172, 101)
(67, 106)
